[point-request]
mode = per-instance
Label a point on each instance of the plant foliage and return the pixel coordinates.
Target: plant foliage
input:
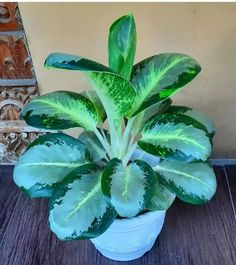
(95, 178)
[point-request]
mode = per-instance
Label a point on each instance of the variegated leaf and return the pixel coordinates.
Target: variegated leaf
(78, 209)
(92, 96)
(96, 150)
(115, 92)
(195, 114)
(122, 45)
(162, 199)
(158, 77)
(194, 183)
(47, 161)
(129, 188)
(61, 110)
(176, 136)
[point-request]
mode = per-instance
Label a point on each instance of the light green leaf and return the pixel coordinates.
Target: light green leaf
(162, 199)
(194, 183)
(92, 96)
(78, 209)
(176, 136)
(47, 161)
(129, 188)
(61, 110)
(142, 117)
(96, 150)
(115, 92)
(158, 77)
(195, 114)
(122, 45)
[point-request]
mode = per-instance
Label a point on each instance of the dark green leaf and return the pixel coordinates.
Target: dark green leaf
(122, 45)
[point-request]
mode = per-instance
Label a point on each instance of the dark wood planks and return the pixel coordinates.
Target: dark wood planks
(198, 235)
(8, 198)
(231, 177)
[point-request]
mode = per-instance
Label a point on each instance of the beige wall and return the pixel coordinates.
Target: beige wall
(207, 32)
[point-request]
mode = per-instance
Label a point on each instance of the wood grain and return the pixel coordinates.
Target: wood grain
(198, 235)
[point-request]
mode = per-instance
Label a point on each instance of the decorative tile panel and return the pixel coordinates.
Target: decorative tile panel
(10, 19)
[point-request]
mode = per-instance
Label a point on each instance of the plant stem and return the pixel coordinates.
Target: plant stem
(104, 142)
(127, 157)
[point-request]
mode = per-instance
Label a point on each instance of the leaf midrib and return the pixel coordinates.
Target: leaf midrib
(67, 111)
(84, 201)
(58, 164)
(173, 137)
(159, 168)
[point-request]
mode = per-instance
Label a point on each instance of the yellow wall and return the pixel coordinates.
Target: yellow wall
(206, 31)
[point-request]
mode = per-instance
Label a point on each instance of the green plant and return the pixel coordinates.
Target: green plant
(93, 179)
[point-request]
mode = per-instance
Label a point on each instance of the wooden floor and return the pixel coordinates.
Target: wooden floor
(198, 235)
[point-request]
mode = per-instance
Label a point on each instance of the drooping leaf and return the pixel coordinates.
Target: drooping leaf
(158, 77)
(115, 92)
(122, 45)
(61, 110)
(92, 96)
(176, 136)
(96, 150)
(195, 114)
(78, 209)
(142, 117)
(47, 161)
(194, 183)
(128, 188)
(162, 199)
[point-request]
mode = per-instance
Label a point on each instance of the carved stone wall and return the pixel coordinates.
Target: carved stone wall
(18, 85)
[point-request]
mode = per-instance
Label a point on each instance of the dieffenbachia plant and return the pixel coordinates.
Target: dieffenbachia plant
(98, 177)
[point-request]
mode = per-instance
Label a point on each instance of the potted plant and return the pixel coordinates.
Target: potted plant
(114, 185)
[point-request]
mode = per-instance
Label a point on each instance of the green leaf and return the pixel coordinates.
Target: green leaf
(195, 114)
(92, 96)
(61, 110)
(128, 188)
(194, 183)
(162, 199)
(47, 161)
(78, 209)
(122, 45)
(176, 136)
(96, 150)
(142, 117)
(115, 92)
(158, 77)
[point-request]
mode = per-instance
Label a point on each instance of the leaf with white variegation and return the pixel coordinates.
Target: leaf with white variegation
(47, 161)
(78, 209)
(158, 77)
(115, 92)
(128, 188)
(194, 183)
(176, 136)
(195, 114)
(162, 199)
(61, 110)
(96, 150)
(122, 45)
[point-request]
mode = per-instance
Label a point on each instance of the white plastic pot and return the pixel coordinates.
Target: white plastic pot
(129, 239)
